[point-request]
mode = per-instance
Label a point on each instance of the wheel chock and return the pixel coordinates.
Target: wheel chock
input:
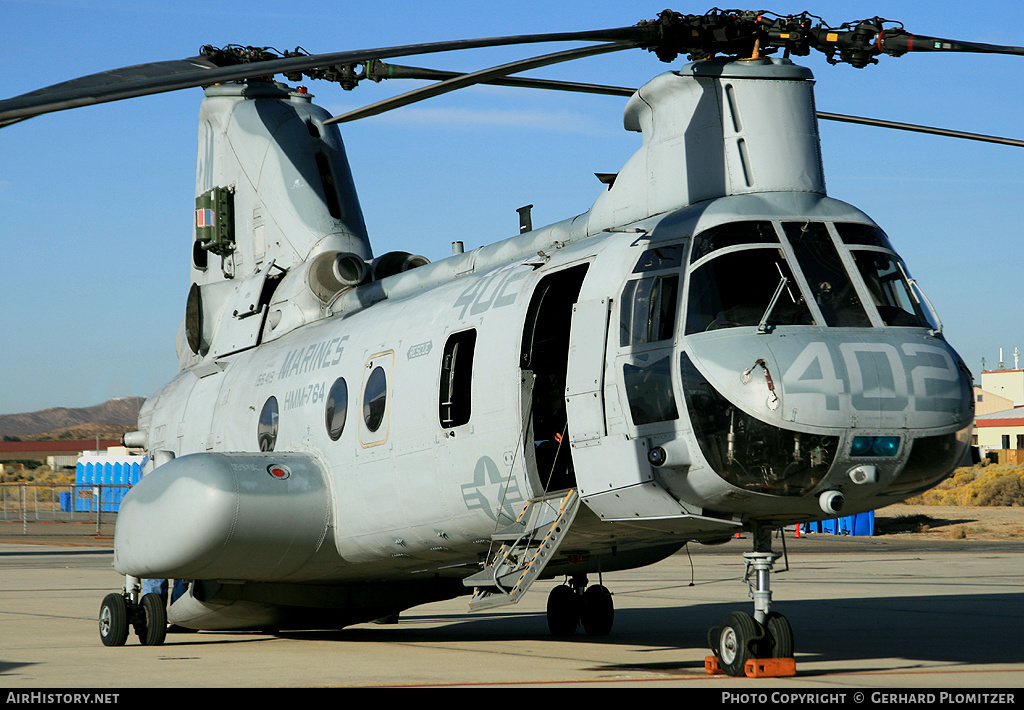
(756, 667)
(770, 667)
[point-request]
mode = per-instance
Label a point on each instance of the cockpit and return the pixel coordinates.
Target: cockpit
(743, 274)
(776, 415)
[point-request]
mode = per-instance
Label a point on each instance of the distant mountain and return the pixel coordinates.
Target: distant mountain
(112, 418)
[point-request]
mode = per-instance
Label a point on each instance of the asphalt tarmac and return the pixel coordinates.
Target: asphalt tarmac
(868, 615)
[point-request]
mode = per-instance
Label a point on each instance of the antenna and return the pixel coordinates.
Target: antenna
(1016, 356)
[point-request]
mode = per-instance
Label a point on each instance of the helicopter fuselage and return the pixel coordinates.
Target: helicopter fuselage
(671, 390)
(717, 345)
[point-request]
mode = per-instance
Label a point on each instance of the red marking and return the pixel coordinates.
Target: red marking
(278, 471)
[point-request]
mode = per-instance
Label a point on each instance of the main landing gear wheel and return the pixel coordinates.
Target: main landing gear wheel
(151, 620)
(564, 608)
(114, 620)
(569, 607)
(598, 611)
(119, 613)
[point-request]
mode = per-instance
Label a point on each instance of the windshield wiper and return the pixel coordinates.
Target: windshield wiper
(763, 325)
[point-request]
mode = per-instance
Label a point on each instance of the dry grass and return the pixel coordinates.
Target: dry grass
(993, 485)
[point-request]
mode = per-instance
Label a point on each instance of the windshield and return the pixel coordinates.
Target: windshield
(738, 270)
(748, 274)
(885, 276)
(830, 285)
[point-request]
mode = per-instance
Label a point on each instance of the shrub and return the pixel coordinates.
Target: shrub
(971, 486)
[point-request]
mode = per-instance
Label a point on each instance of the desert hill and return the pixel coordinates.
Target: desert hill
(112, 418)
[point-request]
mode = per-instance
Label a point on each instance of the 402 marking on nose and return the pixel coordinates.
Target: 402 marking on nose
(875, 376)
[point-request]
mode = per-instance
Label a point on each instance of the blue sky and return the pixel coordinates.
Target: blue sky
(97, 203)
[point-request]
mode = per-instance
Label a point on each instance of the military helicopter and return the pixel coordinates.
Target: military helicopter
(716, 346)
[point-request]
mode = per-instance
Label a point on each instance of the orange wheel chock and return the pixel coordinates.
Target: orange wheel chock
(770, 667)
(757, 667)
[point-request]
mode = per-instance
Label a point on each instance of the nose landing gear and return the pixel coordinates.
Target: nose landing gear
(762, 644)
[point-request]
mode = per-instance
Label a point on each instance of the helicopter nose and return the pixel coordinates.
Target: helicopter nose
(870, 414)
(833, 381)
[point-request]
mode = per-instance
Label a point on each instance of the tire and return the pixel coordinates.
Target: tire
(114, 620)
(598, 612)
(737, 636)
(152, 628)
(778, 637)
(563, 611)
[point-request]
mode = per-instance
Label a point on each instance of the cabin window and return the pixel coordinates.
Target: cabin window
(375, 399)
(337, 408)
(267, 428)
(649, 392)
(454, 395)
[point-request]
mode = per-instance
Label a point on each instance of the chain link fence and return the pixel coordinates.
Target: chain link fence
(60, 508)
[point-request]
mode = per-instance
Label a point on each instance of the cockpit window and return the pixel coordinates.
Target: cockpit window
(831, 287)
(649, 392)
(647, 312)
(745, 287)
(884, 275)
(854, 235)
(647, 308)
(896, 302)
(731, 234)
(664, 257)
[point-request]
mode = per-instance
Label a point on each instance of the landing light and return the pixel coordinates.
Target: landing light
(875, 446)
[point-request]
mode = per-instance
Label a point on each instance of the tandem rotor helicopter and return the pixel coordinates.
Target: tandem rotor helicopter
(715, 346)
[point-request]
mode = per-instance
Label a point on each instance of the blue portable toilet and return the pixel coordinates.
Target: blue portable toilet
(115, 469)
(862, 524)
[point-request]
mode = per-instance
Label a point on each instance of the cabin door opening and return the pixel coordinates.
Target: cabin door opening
(544, 364)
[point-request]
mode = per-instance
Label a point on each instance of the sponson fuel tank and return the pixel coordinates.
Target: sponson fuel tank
(227, 516)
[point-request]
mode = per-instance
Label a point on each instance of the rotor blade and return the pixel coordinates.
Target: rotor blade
(159, 77)
(380, 70)
(917, 128)
(463, 80)
(397, 71)
(897, 41)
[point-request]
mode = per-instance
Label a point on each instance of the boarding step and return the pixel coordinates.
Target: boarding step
(526, 547)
